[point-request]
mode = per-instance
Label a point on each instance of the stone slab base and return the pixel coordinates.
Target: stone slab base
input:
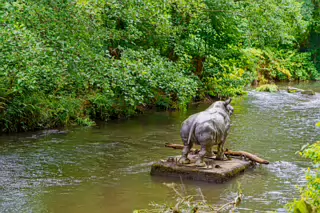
(215, 171)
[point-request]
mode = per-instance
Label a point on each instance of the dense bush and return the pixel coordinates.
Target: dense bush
(225, 77)
(141, 78)
(272, 64)
(81, 60)
(37, 111)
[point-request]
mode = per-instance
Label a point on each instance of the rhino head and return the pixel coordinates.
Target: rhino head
(228, 106)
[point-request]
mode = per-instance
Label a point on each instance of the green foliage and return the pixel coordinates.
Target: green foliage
(3, 94)
(59, 49)
(38, 111)
(311, 40)
(267, 88)
(302, 206)
(312, 152)
(310, 194)
(273, 23)
(118, 57)
(273, 64)
(316, 16)
(224, 78)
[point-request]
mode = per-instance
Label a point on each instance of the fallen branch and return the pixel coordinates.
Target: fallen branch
(248, 155)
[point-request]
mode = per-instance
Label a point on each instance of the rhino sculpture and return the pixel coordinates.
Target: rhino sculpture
(207, 128)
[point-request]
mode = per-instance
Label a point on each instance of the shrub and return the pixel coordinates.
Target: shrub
(309, 201)
(274, 64)
(226, 77)
(38, 111)
(53, 52)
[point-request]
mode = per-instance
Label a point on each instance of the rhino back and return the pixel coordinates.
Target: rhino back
(218, 123)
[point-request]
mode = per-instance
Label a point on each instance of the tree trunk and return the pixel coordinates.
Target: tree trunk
(198, 63)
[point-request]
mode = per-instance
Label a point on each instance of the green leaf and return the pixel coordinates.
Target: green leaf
(302, 206)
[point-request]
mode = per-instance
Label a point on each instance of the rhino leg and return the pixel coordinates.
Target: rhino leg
(186, 149)
(209, 150)
(206, 151)
(184, 133)
(220, 152)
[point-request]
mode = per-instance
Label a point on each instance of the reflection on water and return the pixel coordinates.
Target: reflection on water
(106, 168)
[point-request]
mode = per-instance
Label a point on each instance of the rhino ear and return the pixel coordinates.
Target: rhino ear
(227, 102)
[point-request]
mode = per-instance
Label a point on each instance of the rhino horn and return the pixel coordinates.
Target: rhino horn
(227, 101)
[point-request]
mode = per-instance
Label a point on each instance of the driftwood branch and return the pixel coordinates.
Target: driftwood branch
(247, 155)
(227, 152)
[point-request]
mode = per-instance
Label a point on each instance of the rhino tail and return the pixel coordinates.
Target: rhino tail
(191, 131)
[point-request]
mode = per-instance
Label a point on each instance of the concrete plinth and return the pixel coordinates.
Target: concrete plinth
(215, 171)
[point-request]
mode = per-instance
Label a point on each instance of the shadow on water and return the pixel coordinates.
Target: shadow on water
(106, 168)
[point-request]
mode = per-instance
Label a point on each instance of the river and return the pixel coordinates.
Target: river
(106, 168)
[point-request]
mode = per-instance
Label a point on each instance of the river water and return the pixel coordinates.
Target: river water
(106, 168)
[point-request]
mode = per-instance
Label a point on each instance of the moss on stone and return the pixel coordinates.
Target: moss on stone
(267, 88)
(308, 92)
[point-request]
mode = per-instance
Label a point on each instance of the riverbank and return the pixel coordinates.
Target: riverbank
(38, 111)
